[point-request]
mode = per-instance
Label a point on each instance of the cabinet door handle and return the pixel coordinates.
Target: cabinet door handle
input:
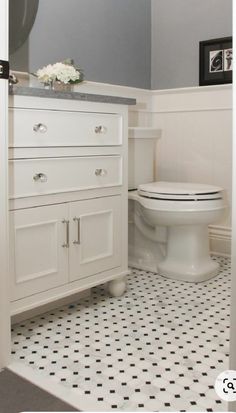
(66, 244)
(40, 127)
(100, 172)
(78, 231)
(40, 177)
(100, 129)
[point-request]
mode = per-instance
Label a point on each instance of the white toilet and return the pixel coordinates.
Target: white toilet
(168, 221)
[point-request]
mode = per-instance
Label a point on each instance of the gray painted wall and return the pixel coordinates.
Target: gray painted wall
(109, 39)
(113, 41)
(177, 28)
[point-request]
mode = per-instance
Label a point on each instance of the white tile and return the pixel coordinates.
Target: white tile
(123, 377)
(139, 398)
(152, 405)
(160, 383)
(175, 389)
(165, 397)
(127, 361)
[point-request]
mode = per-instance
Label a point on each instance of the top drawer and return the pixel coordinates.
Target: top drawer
(43, 128)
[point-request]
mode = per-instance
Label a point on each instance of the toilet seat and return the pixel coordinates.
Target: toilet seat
(176, 191)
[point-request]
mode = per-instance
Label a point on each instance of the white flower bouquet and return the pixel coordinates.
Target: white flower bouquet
(63, 72)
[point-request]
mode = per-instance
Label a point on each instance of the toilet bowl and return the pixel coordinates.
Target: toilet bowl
(186, 210)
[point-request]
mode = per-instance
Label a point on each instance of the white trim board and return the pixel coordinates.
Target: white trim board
(220, 240)
(192, 89)
(192, 99)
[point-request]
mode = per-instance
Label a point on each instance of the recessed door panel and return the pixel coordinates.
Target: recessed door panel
(39, 261)
(92, 248)
(39, 240)
(95, 236)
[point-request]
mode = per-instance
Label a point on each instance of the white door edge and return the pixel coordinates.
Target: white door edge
(232, 406)
(5, 336)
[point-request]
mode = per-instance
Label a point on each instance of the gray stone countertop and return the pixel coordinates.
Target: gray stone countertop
(85, 97)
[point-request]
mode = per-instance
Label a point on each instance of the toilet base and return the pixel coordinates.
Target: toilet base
(204, 273)
(187, 256)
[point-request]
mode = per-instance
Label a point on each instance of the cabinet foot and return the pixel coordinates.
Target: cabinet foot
(117, 287)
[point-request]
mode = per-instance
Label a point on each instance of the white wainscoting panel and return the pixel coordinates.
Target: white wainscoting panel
(196, 142)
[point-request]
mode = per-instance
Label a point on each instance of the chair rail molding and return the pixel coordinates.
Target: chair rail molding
(192, 99)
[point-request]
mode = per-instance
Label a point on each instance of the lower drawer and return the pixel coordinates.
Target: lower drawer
(33, 177)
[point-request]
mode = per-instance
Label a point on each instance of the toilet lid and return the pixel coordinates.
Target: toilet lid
(180, 191)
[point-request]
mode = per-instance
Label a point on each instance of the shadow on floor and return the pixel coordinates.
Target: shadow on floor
(19, 395)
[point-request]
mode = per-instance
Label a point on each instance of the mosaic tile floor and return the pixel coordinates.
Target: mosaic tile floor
(157, 348)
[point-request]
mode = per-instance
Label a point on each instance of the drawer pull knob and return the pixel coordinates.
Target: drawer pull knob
(100, 172)
(40, 127)
(67, 243)
(40, 177)
(100, 129)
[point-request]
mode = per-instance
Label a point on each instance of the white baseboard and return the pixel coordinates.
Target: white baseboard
(220, 240)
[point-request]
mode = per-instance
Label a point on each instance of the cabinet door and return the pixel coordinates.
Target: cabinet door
(39, 254)
(95, 236)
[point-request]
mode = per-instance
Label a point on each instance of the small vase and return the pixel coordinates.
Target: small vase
(62, 87)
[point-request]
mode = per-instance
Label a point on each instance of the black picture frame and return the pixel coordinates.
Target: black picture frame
(215, 61)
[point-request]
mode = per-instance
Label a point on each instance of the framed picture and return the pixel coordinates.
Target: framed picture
(216, 61)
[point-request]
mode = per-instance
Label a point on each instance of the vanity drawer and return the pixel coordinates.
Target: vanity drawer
(43, 128)
(33, 177)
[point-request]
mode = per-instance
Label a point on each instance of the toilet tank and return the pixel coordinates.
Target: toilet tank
(142, 152)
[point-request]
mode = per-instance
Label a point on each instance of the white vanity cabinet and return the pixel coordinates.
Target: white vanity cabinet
(68, 198)
(57, 244)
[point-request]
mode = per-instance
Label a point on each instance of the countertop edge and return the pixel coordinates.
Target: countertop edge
(85, 97)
